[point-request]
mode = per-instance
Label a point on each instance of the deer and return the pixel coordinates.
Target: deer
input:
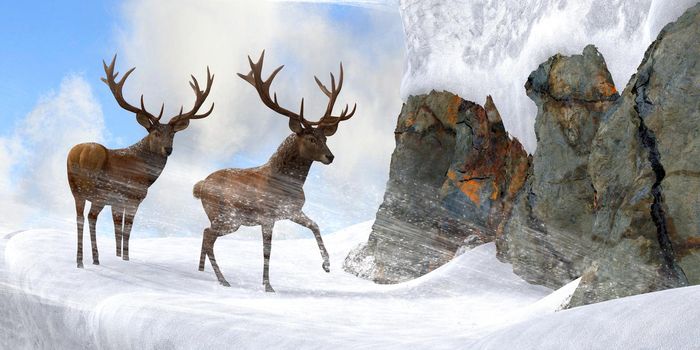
(120, 178)
(274, 191)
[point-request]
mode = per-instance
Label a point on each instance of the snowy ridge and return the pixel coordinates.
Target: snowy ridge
(476, 48)
(160, 300)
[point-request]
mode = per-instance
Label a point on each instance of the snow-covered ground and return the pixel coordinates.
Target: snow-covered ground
(159, 300)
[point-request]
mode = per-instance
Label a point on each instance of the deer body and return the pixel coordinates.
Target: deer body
(120, 178)
(251, 197)
(274, 191)
(113, 176)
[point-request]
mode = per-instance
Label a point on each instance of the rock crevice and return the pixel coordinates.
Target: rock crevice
(643, 107)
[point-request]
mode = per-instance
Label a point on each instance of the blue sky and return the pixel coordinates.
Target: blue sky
(44, 41)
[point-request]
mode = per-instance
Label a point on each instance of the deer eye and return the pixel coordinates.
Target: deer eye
(312, 140)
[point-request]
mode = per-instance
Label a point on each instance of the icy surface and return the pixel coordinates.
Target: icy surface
(160, 300)
(476, 48)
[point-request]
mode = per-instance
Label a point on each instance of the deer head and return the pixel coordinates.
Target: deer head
(160, 136)
(311, 136)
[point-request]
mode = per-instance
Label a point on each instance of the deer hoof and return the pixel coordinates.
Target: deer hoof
(95, 262)
(125, 257)
(268, 289)
(80, 264)
(224, 283)
(326, 266)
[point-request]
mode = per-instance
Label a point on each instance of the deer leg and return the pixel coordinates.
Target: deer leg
(209, 239)
(80, 220)
(118, 218)
(95, 210)
(267, 248)
(305, 221)
(129, 214)
(203, 252)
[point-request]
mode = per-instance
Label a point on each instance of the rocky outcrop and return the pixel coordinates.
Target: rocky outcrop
(645, 167)
(453, 174)
(613, 191)
(548, 236)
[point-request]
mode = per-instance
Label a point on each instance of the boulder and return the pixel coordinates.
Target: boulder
(645, 168)
(452, 175)
(547, 238)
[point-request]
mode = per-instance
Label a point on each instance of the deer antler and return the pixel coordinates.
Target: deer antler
(116, 88)
(328, 119)
(263, 89)
(200, 97)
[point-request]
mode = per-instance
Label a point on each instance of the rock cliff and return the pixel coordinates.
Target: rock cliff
(613, 191)
(645, 168)
(548, 237)
(453, 172)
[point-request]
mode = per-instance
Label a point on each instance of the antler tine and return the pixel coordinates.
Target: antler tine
(328, 119)
(200, 97)
(301, 111)
(116, 88)
(323, 87)
(162, 107)
(254, 78)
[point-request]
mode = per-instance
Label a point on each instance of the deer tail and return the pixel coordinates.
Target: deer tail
(197, 190)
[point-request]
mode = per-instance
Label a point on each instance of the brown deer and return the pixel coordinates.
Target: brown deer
(273, 191)
(121, 177)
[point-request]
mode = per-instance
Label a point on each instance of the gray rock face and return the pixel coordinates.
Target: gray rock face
(645, 167)
(452, 174)
(613, 193)
(548, 236)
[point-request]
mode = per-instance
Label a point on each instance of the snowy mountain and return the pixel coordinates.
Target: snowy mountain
(489, 47)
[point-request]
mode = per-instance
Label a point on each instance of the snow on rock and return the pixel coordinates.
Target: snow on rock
(476, 48)
(160, 300)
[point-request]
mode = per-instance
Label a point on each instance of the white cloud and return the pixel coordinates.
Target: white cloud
(34, 188)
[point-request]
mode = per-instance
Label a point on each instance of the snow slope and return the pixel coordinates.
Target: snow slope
(160, 300)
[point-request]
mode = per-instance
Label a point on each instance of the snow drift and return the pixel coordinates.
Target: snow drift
(160, 300)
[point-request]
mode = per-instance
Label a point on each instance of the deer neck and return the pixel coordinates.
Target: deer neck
(152, 163)
(288, 164)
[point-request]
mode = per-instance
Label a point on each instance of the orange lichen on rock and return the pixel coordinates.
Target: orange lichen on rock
(453, 110)
(606, 88)
(471, 188)
(451, 175)
(494, 194)
(410, 120)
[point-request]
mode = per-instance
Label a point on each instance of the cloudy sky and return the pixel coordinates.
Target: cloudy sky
(51, 64)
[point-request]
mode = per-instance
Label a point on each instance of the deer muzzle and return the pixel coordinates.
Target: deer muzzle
(327, 159)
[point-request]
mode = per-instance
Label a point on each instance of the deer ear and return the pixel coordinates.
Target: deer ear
(296, 126)
(144, 121)
(181, 125)
(330, 130)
